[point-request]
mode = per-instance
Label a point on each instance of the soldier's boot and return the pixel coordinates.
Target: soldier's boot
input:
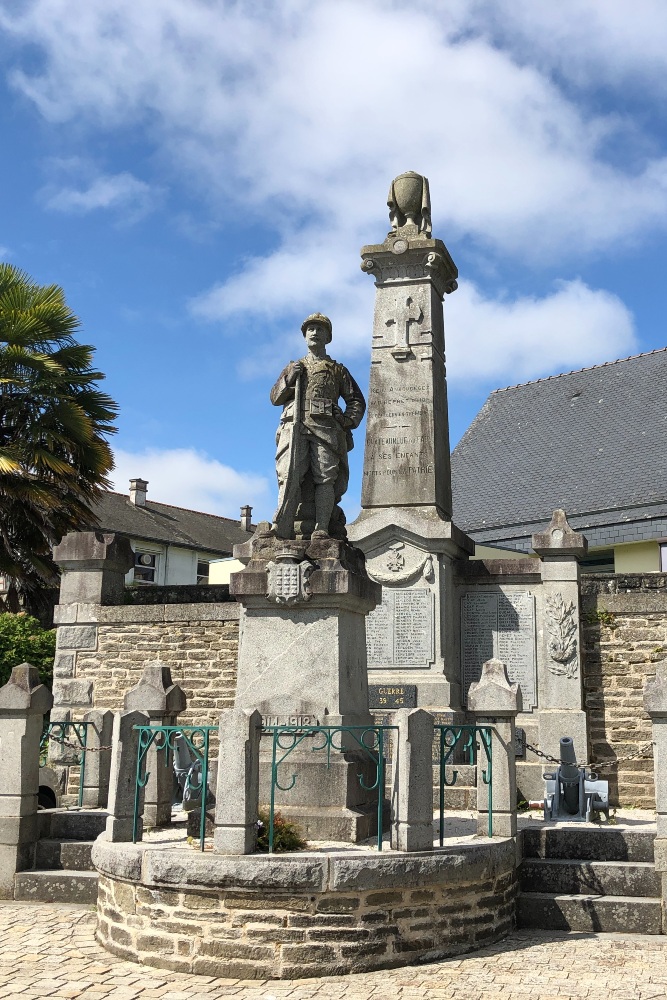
(324, 505)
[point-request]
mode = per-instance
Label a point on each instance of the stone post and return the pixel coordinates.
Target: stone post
(125, 742)
(495, 703)
(93, 566)
(655, 704)
(23, 702)
(161, 700)
(559, 679)
(237, 790)
(412, 782)
(98, 761)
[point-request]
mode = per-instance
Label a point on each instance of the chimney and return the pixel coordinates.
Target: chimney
(246, 517)
(138, 489)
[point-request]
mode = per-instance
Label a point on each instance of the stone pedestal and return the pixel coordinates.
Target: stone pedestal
(560, 682)
(405, 527)
(23, 702)
(302, 662)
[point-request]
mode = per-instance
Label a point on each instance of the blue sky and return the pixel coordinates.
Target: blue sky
(199, 175)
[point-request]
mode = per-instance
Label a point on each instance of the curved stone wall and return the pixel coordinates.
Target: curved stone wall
(293, 916)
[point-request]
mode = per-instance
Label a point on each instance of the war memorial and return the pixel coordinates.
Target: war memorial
(361, 680)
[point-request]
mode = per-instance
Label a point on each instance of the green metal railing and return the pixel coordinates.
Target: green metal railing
(369, 740)
(461, 745)
(162, 738)
(62, 732)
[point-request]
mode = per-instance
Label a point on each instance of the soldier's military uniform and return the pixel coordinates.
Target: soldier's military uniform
(325, 437)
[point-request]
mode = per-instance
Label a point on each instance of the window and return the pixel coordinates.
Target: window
(202, 571)
(145, 566)
(663, 557)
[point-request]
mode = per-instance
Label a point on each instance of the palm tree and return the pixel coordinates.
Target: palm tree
(54, 456)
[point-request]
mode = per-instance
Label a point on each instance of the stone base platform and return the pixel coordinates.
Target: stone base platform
(305, 914)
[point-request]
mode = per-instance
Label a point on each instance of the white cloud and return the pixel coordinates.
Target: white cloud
(106, 191)
(513, 340)
(299, 114)
(188, 478)
(304, 111)
(501, 339)
(77, 186)
(5, 253)
(589, 42)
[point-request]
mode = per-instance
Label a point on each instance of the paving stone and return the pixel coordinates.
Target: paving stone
(50, 951)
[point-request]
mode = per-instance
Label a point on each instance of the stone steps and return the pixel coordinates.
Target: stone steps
(604, 878)
(575, 878)
(584, 844)
(70, 855)
(65, 824)
(56, 886)
(63, 871)
(588, 912)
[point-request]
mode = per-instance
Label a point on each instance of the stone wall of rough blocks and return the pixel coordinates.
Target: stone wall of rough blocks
(624, 636)
(283, 935)
(101, 652)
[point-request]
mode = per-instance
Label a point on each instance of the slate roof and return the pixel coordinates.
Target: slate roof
(160, 522)
(590, 441)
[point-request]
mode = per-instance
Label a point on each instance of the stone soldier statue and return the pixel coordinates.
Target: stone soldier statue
(314, 437)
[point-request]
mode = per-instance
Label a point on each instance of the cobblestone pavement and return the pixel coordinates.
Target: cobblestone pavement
(48, 951)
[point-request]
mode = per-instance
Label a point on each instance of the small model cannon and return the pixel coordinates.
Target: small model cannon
(570, 793)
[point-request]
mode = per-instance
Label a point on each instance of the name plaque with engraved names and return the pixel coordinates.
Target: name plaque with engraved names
(500, 626)
(400, 633)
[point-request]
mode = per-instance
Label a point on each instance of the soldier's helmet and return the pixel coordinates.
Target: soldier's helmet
(317, 318)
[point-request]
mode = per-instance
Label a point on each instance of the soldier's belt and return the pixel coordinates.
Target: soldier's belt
(319, 407)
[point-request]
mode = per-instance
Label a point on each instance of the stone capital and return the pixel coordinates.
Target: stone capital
(24, 693)
(156, 693)
(559, 540)
(493, 694)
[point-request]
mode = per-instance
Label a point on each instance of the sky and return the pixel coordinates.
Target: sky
(200, 175)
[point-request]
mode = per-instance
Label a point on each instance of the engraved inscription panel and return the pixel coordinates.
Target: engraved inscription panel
(500, 625)
(400, 632)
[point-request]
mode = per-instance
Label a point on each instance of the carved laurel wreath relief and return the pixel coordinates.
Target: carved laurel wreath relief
(562, 644)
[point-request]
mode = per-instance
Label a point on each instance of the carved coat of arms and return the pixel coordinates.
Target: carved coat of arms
(288, 580)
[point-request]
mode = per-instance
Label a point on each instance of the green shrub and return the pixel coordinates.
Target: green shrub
(286, 835)
(23, 640)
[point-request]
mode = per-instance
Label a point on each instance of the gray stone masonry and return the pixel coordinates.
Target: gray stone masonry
(98, 759)
(123, 776)
(560, 681)
(655, 704)
(302, 661)
(24, 700)
(237, 789)
(412, 782)
(93, 566)
(162, 701)
(405, 526)
(495, 703)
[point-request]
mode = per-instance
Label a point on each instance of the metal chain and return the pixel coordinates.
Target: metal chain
(76, 746)
(593, 765)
